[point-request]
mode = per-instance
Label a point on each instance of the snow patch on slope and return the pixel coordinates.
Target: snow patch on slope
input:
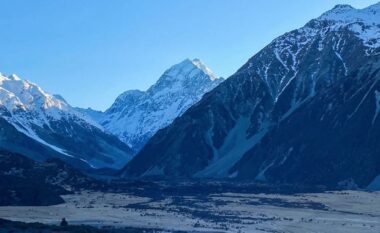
(25, 129)
(377, 110)
(235, 145)
(375, 184)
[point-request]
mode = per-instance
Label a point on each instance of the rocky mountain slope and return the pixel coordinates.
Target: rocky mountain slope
(291, 110)
(44, 126)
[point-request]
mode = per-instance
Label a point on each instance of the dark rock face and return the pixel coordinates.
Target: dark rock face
(331, 140)
(22, 183)
(25, 182)
(287, 115)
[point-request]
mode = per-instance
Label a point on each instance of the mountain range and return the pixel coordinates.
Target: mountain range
(44, 126)
(303, 110)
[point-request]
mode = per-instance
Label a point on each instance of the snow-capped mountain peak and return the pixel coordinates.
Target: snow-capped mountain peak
(198, 63)
(48, 120)
(14, 77)
(136, 115)
(333, 29)
(125, 99)
(349, 14)
(342, 8)
(29, 104)
(188, 69)
(365, 23)
(28, 95)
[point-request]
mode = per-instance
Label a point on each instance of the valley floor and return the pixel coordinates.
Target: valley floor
(343, 211)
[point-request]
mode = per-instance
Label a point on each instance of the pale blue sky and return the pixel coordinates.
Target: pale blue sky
(90, 51)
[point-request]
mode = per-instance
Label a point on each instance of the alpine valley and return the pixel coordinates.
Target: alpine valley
(288, 143)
